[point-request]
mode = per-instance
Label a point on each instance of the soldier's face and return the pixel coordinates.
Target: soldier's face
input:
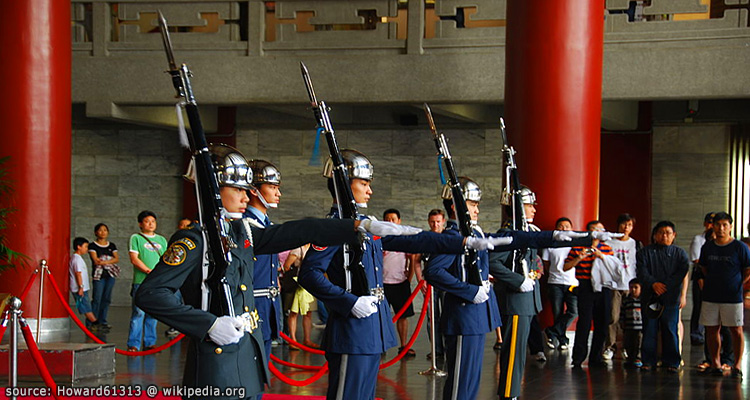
(473, 207)
(530, 212)
(271, 193)
(361, 190)
(234, 199)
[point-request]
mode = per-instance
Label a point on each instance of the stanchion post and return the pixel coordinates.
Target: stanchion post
(433, 370)
(42, 268)
(14, 306)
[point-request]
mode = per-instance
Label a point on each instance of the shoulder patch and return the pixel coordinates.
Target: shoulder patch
(318, 248)
(187, 242)
(175, 254)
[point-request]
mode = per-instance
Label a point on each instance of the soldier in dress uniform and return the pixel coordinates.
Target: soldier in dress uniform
(226, 351)
(359, 328)
(264, 195)
(470, 311)
(520, 297)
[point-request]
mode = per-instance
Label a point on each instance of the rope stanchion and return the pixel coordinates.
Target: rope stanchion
(413, 336)
(294, 382)
(38, 360)
(300, 345)
(293, 365)
(93, 337)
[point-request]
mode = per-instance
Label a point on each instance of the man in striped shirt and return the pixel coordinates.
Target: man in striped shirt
(592, 306)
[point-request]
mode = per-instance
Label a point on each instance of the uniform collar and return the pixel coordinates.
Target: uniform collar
(257, 215)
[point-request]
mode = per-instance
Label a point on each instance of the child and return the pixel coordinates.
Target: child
(632, 322)
(79, 281)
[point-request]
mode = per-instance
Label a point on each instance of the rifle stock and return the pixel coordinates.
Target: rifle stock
(459, 203)
(213, 216)
(345, 201)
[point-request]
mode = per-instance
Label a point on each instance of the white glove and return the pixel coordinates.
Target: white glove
(604, 236)
(567, 236)
(365, 306)
(489, 243)
(527, 285)
(382, 228)
(481, 295)
(226, 330)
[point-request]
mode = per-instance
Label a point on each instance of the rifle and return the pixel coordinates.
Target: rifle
(356, 276)
(459, 203)
(216, 232)
(512, 196)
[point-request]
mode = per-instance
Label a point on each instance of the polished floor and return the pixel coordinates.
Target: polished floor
(551, 379)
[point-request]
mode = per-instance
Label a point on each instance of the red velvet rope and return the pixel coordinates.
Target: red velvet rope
(294, 382)
(4, 324)
(300, 345)
(97, 340)
(26, 289)
(293, 365)
(409, 301)
(382, 366)
(413, 336)
(24, 293)
(38, 360)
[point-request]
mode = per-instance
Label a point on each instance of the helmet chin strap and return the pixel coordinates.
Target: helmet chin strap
(234, 215)
(362, 205)
(263, 201)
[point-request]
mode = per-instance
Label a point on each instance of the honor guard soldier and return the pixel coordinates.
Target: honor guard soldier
(520, 296)
(227, 351)
(470, 311)
(359, 328)
(264, 195)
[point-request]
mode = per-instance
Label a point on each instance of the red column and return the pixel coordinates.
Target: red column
(35, 109)
(553, 93)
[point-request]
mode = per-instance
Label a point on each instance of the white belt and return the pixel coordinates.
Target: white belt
(270, 292)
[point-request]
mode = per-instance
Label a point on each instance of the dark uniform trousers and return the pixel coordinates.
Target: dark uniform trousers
(353, 345)
(519, 309)
(239, 365)
(462, 323)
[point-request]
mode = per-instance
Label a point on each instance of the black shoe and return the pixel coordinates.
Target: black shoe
(737, 373)
(550, 339)
(498, 346)
(597, 364)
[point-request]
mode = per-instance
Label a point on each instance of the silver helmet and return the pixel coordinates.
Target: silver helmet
(527, 197)
(264, 172)
(357, 165)
(469, 188)
(231, 167)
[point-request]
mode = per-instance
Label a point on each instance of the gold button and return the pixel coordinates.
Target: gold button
(218, 350)
(243, 287)
(247, 308)
(255, 259)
